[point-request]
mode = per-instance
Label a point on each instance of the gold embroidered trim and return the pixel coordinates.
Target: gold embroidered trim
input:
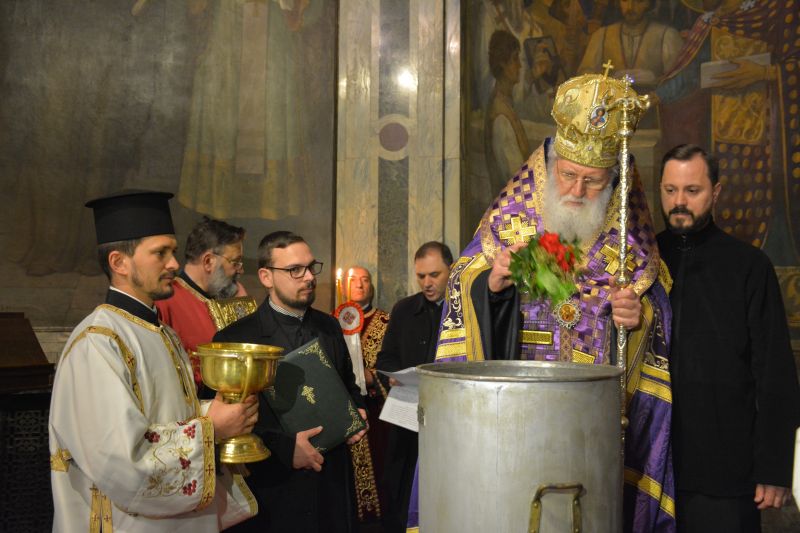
(127, 316)
(582, 357)
(652, 488)
(355, 419)
(209, 469)
(473, 343)
(226, 311)
(185, 377)
(651, 371)
(638, 343)
(372, 337)
(59, 461)
(450, 349)
(127, 355)
(532, 336)
(452, 334)
(248, 494)
(316, 349)
(180, 281)
(654, 388)
(664, 276)
(364, 476)
(100, 518)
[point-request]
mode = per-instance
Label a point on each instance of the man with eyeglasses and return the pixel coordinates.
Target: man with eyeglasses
(298, 489)
(214, 255)
(568, 186)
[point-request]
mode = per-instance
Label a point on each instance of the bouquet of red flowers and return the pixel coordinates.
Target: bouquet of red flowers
(546, 267)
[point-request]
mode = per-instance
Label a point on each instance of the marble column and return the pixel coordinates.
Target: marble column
(398, 167)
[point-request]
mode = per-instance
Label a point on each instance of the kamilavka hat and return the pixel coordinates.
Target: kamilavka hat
(131, 214)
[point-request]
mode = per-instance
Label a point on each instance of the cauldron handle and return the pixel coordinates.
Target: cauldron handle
(536, 504)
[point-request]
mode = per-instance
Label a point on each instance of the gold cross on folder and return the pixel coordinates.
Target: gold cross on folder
(612, 260)
(518, 231)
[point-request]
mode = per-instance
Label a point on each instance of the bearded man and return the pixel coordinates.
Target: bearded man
(131, 447)
(568, 186)
(213, 266)
(298, 488)
(737, 400)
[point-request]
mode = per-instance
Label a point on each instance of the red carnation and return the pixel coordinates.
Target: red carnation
(550, 242)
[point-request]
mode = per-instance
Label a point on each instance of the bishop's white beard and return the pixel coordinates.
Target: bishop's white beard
(572, 222)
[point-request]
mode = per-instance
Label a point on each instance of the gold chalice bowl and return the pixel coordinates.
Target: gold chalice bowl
(237, 370)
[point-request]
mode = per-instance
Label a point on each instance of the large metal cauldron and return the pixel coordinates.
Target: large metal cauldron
(507, 445)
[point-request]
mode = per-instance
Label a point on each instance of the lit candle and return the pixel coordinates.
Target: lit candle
(338, 286)
(349, 281)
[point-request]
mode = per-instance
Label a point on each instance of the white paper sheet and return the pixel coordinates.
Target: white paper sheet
(400, 407)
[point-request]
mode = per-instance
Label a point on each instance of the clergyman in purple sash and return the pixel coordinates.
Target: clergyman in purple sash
(568, 186)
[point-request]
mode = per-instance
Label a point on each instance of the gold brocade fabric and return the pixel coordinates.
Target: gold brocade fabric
(225, 312)
(376, 322)
(367, 501)
(364, 475)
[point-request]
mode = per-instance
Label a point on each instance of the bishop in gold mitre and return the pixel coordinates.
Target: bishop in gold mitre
(568, 185)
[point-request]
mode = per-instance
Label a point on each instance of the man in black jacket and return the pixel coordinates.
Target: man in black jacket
(410, 340)
(297, 488)
(734, 382)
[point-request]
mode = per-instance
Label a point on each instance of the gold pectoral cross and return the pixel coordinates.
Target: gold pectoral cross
(518, 230)
(612, 259)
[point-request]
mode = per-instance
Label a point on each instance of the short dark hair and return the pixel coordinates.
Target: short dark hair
(685, 152)
(276, 239)
(435, 246)
(211, 234)
(103, 250)
(502, 46)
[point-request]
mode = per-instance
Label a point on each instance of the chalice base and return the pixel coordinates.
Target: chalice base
(243, 449)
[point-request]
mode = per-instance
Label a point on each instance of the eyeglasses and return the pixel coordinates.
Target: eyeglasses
(297, 272)
(594, 184)
(235, 264)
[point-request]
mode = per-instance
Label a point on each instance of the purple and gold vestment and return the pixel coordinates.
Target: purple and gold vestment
(515, 215)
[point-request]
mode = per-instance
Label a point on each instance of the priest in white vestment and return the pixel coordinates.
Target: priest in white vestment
(132, 448)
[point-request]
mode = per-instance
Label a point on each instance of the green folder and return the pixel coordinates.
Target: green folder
(308, 392)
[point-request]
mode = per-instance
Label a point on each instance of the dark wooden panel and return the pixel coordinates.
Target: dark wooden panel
(23, 365)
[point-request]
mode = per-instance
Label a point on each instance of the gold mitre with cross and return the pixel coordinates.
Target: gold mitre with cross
(588, 111)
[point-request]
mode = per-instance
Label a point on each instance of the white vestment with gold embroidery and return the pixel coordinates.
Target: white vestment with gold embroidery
(130, 449)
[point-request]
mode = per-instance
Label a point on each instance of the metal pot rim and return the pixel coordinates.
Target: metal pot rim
(527, 371)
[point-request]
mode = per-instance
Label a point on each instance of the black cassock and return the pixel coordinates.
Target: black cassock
(291, 500)
(736, 401)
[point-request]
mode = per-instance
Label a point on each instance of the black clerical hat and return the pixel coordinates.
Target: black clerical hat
(131, 214)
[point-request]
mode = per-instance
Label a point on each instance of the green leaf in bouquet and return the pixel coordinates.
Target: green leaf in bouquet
(547, 282)
(522, 267)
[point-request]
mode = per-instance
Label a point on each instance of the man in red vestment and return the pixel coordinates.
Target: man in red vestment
(214, 257)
